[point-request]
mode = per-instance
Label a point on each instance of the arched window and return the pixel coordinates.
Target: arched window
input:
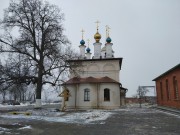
(175, 85)
(161, 90)
(106, 94)
(167, 89)
(86, 95)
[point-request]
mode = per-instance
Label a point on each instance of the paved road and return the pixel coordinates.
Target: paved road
(131, 121)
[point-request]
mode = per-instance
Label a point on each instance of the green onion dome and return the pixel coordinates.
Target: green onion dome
(108, 40)
(88, 50)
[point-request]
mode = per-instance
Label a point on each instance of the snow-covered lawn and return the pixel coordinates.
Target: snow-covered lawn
(9, 131)
(22, 104)
(3, 129)
(83, 117)
(52, 115)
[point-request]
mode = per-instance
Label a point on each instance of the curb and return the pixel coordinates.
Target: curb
(168, 109)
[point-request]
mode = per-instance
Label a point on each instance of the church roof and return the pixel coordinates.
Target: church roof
(77, 80)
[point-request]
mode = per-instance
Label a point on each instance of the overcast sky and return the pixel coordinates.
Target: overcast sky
(146, 33)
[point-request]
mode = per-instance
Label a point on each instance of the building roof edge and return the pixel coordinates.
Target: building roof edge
(175, 67)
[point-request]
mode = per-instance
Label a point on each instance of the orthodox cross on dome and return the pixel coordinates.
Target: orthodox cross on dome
(88, 49)
(107, 31)
(97, 22)
(97, 36)
(108, 39)
(88, 40)
(82, 33)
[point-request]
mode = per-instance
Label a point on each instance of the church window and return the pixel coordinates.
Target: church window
(176, 94)
(167, 89)
(86, 95)
(106, 94)
(161, 90)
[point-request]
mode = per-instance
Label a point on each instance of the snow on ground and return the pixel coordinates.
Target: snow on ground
(10, 106)
(8, 131)
(83, 117)
(3, 129)
(26, 127)
(168, 113)
(52, 115)
(23, 104)
(70, 116)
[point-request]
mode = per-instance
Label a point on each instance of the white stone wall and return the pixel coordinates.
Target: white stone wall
(88, 55)
(72, 90)
(96, 96)
(82, 50)
(93, 96)
(100, 69)
(114, 96)
(96, 68)
(109, 50)
(97, 50)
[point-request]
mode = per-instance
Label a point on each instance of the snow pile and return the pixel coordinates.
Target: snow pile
(2, 105)
(94, 115)
(5, 106)
(26, 127)
(3, 130)
(89, 116)
(8, 131)
(10, 106)
(81, 117)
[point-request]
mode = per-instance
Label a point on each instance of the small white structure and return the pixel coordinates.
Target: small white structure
(97, 84)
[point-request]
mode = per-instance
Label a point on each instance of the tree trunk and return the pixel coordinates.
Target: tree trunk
(38, 93)
(39, 84)
(4, 95)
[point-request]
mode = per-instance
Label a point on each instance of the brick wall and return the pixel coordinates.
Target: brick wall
(165, 85)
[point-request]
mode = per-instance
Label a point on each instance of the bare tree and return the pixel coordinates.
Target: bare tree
(40, 40)
(11, 76)
(141, 93)
(5, 82)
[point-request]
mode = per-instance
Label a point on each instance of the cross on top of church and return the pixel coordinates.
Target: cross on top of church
(88, 42)
(97, 22)
(82, 33)
(107, 31)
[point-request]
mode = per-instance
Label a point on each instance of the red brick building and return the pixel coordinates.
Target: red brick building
(168, 88)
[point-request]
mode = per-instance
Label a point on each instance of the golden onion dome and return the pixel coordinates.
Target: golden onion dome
(97, 37)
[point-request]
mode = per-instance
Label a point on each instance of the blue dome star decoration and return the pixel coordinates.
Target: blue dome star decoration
(82, 42)
(88, 50)
(108, 40)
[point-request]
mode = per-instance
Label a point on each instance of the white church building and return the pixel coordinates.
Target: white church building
(97, 84)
